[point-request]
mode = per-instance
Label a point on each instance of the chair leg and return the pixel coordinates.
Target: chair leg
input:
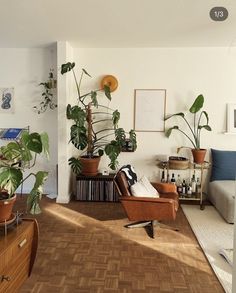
(138, 224)
(150, 227)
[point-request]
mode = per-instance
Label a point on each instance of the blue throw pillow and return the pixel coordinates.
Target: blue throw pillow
(223, 165)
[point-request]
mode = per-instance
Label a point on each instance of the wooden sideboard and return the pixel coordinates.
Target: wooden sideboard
(17, 254)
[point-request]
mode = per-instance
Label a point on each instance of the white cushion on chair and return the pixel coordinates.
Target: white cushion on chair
(143, 188)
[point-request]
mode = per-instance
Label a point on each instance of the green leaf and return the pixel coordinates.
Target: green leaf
(67, 67)
(77, 114)
(169, 131)
(78, 136)
(10, 179)
(107, 92)
(36, 193)
(207, 127)
(100, 152)
(113, 150)
(115, 117)
(94, 98)
(34, 143)
(120, 136)
(197, 105)
(45, 144)
(133, 139)
(86, 72)
(206, 115)
(75, 164)
(177, 114)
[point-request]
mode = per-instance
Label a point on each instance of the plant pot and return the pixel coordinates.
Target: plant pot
(198, 155)
(6, 206)
(90, 165)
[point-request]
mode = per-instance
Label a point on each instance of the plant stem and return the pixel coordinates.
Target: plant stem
(194, 145)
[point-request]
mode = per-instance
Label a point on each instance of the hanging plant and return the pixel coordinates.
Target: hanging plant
(48, 96)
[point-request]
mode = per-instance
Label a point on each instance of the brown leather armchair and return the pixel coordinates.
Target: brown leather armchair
(148, 211)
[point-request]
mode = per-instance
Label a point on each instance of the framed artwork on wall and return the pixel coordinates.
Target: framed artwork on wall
(231, 118)
(7, 100)
(149, 110)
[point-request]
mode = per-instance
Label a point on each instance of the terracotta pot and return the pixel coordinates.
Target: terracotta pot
(198, 155)
(90, 166)
(6, 206)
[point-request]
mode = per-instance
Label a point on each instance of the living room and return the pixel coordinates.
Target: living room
(162, 45)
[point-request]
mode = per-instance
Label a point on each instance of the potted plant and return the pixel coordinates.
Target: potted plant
(16, 157)
(95, 128)
(194, 133)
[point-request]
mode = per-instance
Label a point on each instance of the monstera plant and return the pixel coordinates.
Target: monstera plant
(95, 128)
(15, 158)
(199, 122)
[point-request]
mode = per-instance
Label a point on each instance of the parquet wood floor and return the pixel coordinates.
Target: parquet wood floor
(83, 247)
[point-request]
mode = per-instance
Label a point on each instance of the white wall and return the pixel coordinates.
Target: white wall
(184, 73)
(24, 69)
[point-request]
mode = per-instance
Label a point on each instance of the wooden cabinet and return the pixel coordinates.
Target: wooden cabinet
(96, 188)
(17, 254)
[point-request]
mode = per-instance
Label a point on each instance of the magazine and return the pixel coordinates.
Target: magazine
(227, 253)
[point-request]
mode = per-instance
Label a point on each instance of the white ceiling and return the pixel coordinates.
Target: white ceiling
(115, 23)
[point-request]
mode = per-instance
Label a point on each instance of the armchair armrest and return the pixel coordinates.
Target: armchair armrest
(164, 187)
(147, 199)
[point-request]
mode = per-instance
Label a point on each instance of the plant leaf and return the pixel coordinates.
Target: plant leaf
(86, 72)
(34, 143)
(75, 164)
(113, 150)
(78, 136)
(169, 131)
(107, 92)
(67, 67)
(45, 144)
(36, 193)
(133, 139)
(115, 117)
(77, 114)
(94, 98)
(197, 104)
(10, 179)
(120, 136)
(177, 114)
(207, 127)
(100, 152)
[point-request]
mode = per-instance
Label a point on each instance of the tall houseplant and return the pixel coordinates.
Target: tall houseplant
(194, 128)
(16, 158)
(95, 128)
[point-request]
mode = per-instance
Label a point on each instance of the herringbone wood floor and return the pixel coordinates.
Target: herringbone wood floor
(84, 247)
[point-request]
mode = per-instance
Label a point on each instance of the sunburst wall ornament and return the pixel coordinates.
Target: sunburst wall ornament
(111, 81)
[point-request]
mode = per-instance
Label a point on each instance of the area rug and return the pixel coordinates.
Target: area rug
(213, 234)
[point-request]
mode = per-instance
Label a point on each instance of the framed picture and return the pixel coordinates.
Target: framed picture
(149, 110)
(231, 118)
(7, 100)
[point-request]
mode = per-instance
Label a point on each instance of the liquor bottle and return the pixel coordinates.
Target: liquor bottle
(198, 186)
(189, 190)
(179, 184)
(168, 178)
(173, 178)
(184, 187)
(194, 183)
(163, 176)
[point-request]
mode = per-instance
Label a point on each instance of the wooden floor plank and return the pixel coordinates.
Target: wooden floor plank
(84, 247)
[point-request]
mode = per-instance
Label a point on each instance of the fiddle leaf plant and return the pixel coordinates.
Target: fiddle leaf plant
(95, 129)
(19, 156)
(200, 121)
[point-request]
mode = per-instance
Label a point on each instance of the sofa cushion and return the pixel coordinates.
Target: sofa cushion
(143, 188)
(223, 165)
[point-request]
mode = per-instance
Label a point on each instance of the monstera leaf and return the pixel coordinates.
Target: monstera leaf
(10, 179)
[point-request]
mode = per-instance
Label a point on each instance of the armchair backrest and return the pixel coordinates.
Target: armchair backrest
(122, 184)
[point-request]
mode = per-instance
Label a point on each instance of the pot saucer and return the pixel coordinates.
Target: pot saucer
(9, 221)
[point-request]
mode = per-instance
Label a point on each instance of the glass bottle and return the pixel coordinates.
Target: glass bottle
(173, 178)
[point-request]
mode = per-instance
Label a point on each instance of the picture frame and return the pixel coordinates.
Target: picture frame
(231, 118)
(6, 100)
(149, 110)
